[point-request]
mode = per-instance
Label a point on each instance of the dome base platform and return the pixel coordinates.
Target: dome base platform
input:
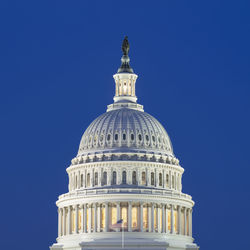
(131, 242)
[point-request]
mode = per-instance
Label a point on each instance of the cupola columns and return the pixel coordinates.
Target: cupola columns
(125, 78)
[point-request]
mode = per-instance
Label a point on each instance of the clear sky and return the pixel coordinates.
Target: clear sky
(57, 59)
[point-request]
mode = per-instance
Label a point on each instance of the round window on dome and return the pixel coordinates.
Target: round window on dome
(132, 137)
(116, 137)
(124, 137)
(108, 137)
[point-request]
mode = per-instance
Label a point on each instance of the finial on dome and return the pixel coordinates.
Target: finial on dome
(125, 67)
(125, 46)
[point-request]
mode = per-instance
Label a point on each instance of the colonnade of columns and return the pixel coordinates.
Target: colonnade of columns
(137, 217)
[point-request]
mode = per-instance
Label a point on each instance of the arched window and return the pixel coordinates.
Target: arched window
(116, 137)
(160, 179)
(81, 180)
(124, 177)
(134, 178)
(143, 178)
(132, 137)
(104, 179)
(88, 179)
(124, 137)
(96, 178)
(167, 180)
(152, 179)
(114, 178)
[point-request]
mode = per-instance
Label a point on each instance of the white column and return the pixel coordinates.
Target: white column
(85, 218)
(109, 177)
(79, 179)
(64, 221)
(90, 216)
(172, 219)
(106, 229)
(76, 219)
(141, 217)
(179, 219)
(190, 222)
(98, 218)
(129, 216)
(152, 217)
(149, 219)
(59, 222)
(82, 219)
(69, 220)
(95, 221)
(185, 221)
(158, 219)
(118, 212)
(163, 218)
(166, 218)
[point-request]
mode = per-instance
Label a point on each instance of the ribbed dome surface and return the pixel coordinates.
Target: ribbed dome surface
(125, 130)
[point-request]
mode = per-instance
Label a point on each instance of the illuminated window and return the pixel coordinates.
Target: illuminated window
(124, 215)
(92, 218)
(143, 178)
(104, 180)
(73, 220)
(88, 179)
(175, 221)
(160, 220)
(134, 218)
(80, 219)
(160, 179)
(96, 178)
(87, 218)
(155, 219)
(124, 177)
(113, 215)
(169, 219)
(134, 178)
(152, 179)
(102, 217)
(145, 217)
(114, 178)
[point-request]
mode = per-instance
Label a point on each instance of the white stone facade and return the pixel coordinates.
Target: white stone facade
(125, 169)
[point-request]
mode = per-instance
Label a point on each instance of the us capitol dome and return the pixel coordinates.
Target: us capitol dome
(125, 184)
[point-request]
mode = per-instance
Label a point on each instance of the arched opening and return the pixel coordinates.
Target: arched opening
(88, 179)
(96, 178)
(114, 178)
(104, 179)
(124, 177)
(143, 178)
(81, 180)
(160, 179)
(152, 179)
(167, 180)
(134, 178)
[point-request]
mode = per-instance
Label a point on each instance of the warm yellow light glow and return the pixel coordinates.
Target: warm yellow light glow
(87, 218)
(92, 218)
(73, 221)
(169, 219)
(80, 220)
(175, 220)
(102, 217)
(113, 215)
(155, 218)
(160, 219)
(124, 216)
(134, 217)
(145, 218)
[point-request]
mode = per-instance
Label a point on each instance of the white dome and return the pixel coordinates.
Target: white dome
(125, 130)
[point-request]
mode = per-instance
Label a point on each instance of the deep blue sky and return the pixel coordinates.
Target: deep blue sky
(57, 59)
